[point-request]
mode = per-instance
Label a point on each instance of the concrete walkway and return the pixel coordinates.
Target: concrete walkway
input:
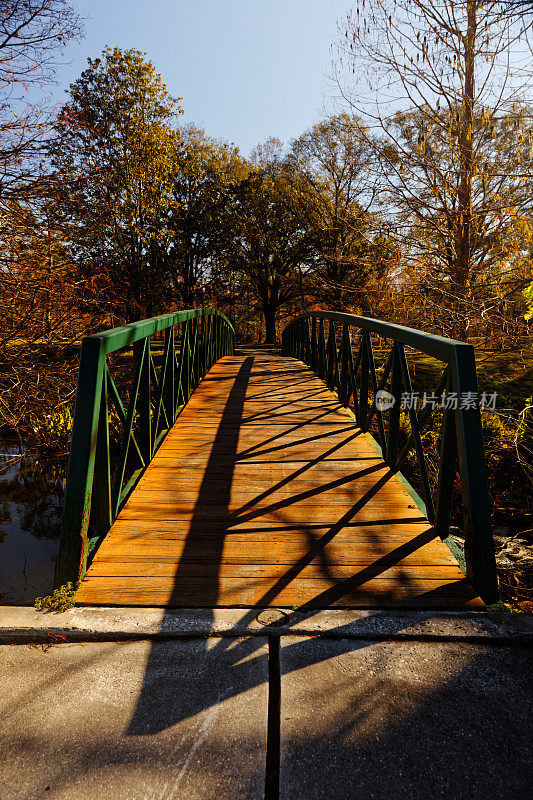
(142, 704)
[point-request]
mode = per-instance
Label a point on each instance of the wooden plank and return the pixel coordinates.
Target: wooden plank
(294, 512)
(267, 552)
(380, 529)
(262, 592)
(183, 432)
(316, 571)
(259, 482)
(265, 492)
(349, 541)
(259, 474)
(206, 562)
(265, 453)
(211, 495)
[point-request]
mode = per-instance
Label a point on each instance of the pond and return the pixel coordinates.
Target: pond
(31, 497)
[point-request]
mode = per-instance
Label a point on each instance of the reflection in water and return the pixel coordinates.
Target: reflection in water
(31, 496)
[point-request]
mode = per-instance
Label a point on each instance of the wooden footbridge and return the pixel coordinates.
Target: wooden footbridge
(201, 476)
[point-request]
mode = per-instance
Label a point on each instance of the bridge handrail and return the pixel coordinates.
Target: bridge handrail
(355, 379)
(194, 340)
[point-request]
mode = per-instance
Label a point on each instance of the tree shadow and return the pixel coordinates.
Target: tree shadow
(217, 479)
(412, 721)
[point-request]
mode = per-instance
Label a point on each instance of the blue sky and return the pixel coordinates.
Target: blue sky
(246, 69)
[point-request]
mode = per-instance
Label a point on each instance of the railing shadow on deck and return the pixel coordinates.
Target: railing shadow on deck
(340, 348)
(233, 655)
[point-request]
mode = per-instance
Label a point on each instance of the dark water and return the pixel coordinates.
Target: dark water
(31, 496)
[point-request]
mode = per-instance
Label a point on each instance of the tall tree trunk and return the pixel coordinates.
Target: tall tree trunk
(366, 308)
(269, 312)
(48, 292)
(463, 249)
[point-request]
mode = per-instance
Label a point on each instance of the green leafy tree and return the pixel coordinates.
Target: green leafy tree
(204, 173)
(113, 157)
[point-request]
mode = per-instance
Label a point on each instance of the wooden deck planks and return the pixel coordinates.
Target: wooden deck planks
(266, 493)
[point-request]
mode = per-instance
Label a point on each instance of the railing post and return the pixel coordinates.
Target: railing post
(200, 347)
(194, 356)
(308, 353)
(332, 347)
(144, 402)
(185, 361)
(448, 454)
(314, 358)
(72, 559)
(213, 349)
(363, 387)
(321, 350)
(352, 389)
(207, 335)
(169, 393)
(101, 511)
(479, 542)
(207, 339)
(344, 392)
(393, 433)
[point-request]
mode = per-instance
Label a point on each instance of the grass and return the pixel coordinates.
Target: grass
(508, 374)
(60, 600)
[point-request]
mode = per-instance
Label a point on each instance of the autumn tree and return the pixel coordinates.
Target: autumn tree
(32, 35)
(333, 190)
(198, 228)
(113, 157)
(37, 287)
(269, 240)
(435, 82)
(500, 227)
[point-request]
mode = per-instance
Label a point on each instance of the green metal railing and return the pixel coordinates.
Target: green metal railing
(159, 384)
(323, 340)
